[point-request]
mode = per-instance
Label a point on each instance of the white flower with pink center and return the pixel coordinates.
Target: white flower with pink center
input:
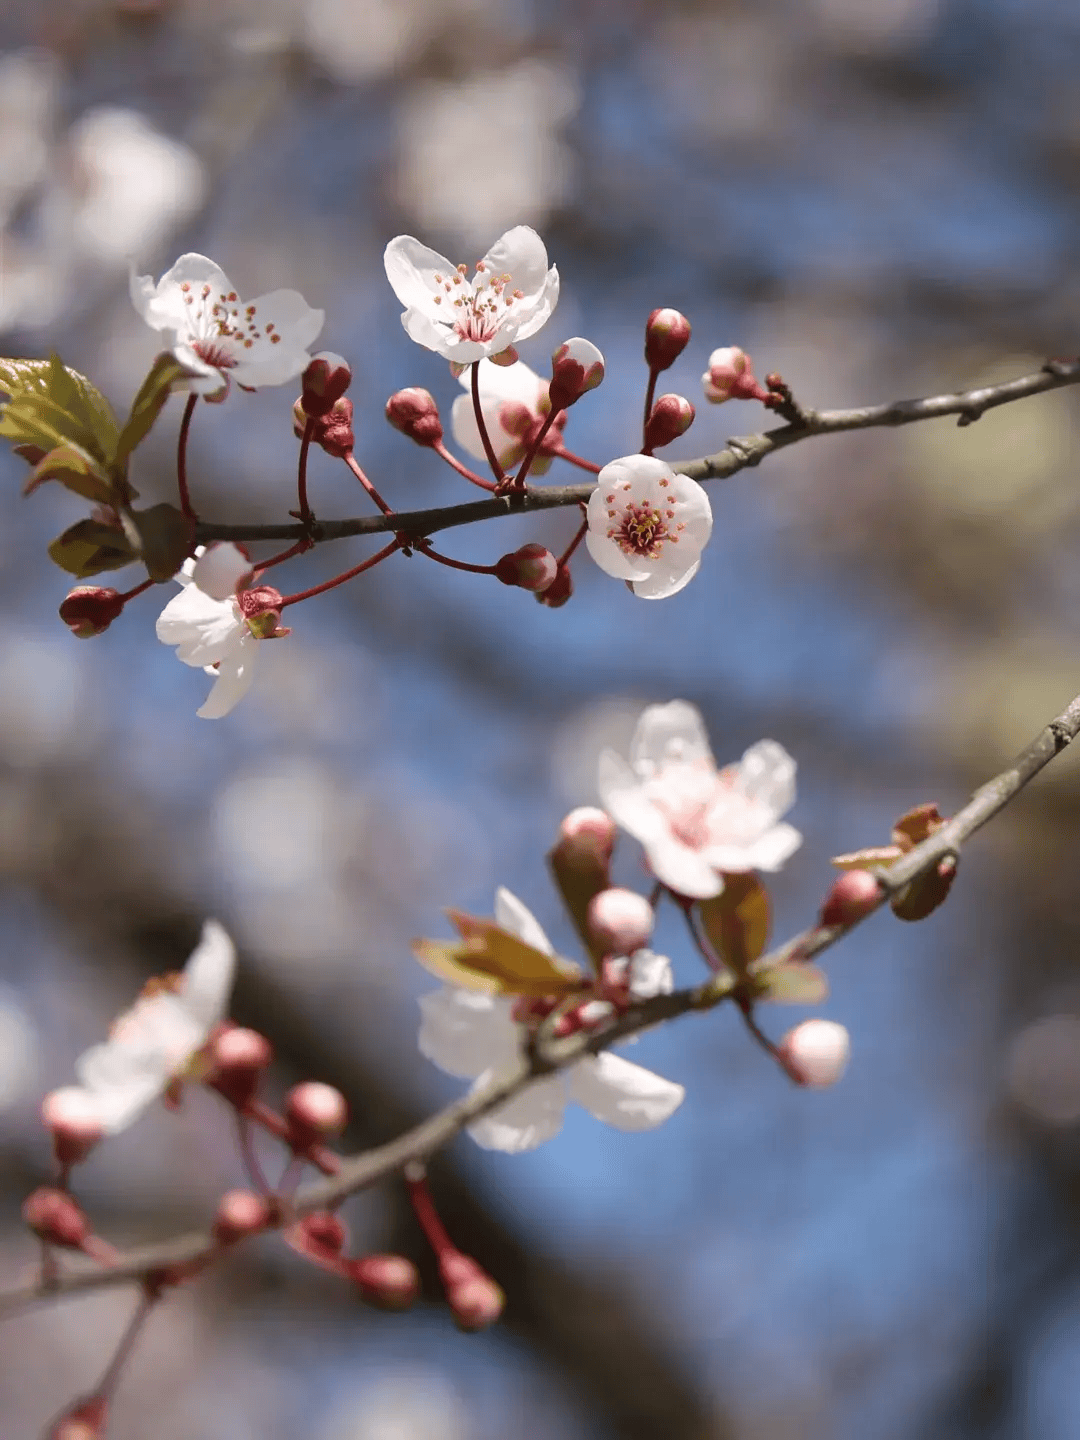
(695, 821)
(218, 336)
(510, 296)
(514, 403)
(648, 525)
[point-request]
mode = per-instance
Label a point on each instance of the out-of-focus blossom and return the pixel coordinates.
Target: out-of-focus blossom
(152, 1043)
(217, 336)
(514, 403)
(475, 1036)
(511, 295)
(648, 525)
(816, 1052)
(694, 821)
(730, 376)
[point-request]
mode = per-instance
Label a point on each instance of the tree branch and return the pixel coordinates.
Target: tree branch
(740, 454)
(548, 1054)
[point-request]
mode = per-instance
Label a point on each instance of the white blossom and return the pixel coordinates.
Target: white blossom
(648, 525)
(514, 403)
(218, 336)
(475, 1037)
(152, 1043)
(208, 628)
(694, 821)
(510, 297)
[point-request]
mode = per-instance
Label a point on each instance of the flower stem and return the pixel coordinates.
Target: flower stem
(274, 1124)
(687, 907)
(428, 1217)
(489, 450)
(582, 531)
(650, 392)
(107, 1383)
(746, 1010)
(426, 548)
(455, 464)
(181, 458)
(350, 461)
(298, 549)
(526, 464)
(382, 554)
(301, 472)
(256, 1174)
(563, 454)
(138, 590)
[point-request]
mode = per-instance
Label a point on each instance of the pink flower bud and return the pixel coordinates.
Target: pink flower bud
(672, 416)
(591, 830)
(667, 333)
(619, 921)
(389, 1281)
(90, 609)
(816, 1052)
(324, 1232)
(325, 381)
(240, 1057)
(532, 568)
(580, 861)
(314, 1111)
(73, 1118)
(474, 1298)
(414, 412)
(576, 368)
(559, 591)
(854, 894)
(56, 1217)
(240, 1213)
(332, 432)
(730, 376)
(84, 1421)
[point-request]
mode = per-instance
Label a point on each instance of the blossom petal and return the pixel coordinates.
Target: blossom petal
(164, 306)
(524, 1122)
(611, 558)
(521, 254)
(623, 797)
(766, 775)
(682, 869)
(623, 1094)
(649, 975)
(775, 847)
(208, 977)
(661, 584)
(219, 569)
(512, 915)
(465, 1033)
(236, 670)
(674, 731)
(411, 268)
(201, 628)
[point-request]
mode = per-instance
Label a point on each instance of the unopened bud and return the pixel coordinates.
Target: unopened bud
(730, 376)
(389, 1281)
(816, 1052)
(559, 591)
(324, 1232)
(325, 380)
(414, 412)
(474, 1298)
(315, 1112)
(667, 333)
(240, 1213)
(532, 568)
(86, 1420)
(672, 416)
(239, 1057)
(261, 608)
(333, 432)
(89, 610)
(580, 861)
(577, 367)
(56, 1217)
(619, 921)
(74, 1119)
(853, 895)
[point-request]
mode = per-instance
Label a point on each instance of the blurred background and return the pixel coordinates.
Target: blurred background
(878, 198)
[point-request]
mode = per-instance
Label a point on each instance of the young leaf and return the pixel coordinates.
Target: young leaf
(51, 404)
(80, 398)
(795, 983)
(165, 538)
(76, 471)
(490, 959)
(148, 404)
(736, 921)
(89, 547)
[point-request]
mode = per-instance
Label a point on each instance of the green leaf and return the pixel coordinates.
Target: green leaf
(796, 982)
(76, 471)
(165, 539)
(51, 404)
(148, 404)
(89, 547)
(85, 401)
(925, 893)
(492, 960)
(736, 921)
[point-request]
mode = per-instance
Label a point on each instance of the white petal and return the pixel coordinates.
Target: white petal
(465, 1033)
(507, 382)
(524, 1122)
(163, 306)
(686, 871)
(607, 553)
(202, 629)
(522, 255)
(623, 1094)
(512, 915)
(623, 797)
(664, 733)
(775, 847)
(526, 324)
(236, 670)
(208, 977)
(650, 975)
(219, 569)
(411, 269)
(662, 584)
(766, 775)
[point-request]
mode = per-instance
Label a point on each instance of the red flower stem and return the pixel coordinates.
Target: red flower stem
(583, 530)
(428, 1218)
(563, 454)
(261, 1114)
(301, 472)
(290, 1177)
(298, 549)
(687, 907)
(650, 391)
(489, 450)
(455, 464)
(181, 458)
(526, 464)
(425, 547)
(746, 1010)
(138, 590)
(256, 1174)
(107, 1383)
(340, 579)
(350, 461)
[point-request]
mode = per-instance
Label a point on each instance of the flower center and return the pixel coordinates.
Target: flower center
(479, 305)
(642, 528)
(220, 328)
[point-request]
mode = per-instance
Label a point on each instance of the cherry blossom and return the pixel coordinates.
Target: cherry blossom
(514, 403)
(208, 625)
(511, 295)
(695, 821)
(217, 336)
(648, 525)
(153, 1043)
(817, 1052)
(475, 1036)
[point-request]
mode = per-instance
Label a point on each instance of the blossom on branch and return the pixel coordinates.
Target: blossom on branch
(475, 1036)
(648, 525)
(217, 336)
(514, 403)
(511, 295)
(215, 626)
(153, 1043)
(695, 821)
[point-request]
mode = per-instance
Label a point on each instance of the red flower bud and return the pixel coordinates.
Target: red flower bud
(324, 1231)
(816, 1053)
(672, 416)
(84, 1421)
(474, 1298)
(314, 1111)
(730, 376)
(389, 1281)
(414, 412)
(240, 1213)
(559, 591)
(576, 368)
(325, 381)
(76, 1127)
(854, 894)
(619, 921)
(56, 1217)
(90, 609)
(532, 568)
(333, 432)
(240, 1057)
(667, 334)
